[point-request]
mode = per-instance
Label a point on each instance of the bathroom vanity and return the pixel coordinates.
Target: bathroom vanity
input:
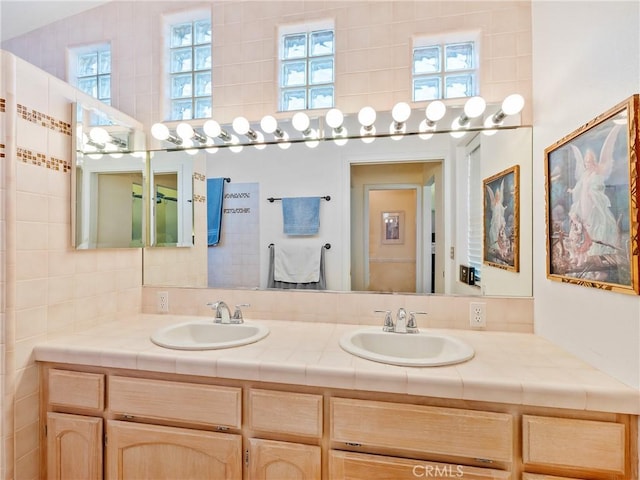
(287, 407)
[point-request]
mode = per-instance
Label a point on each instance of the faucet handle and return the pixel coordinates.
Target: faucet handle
(237, 314)
(388, 325)
(412, 325)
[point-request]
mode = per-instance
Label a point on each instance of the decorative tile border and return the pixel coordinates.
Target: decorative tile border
(44, 120)
(2, 147)
(3, 105)
(199, 198)
(199, 176)
(43, 160)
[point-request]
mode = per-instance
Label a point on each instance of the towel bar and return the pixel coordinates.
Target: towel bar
(273, 199)
(326, 245)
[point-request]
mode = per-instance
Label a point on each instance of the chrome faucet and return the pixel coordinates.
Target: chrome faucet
(401, 321)
(405, 321)
(237, 314)
(223, 314)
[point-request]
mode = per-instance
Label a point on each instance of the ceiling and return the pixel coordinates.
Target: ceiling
(18, 17)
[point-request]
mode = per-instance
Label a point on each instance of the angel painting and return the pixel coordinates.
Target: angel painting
(501, 219)
(588, 191)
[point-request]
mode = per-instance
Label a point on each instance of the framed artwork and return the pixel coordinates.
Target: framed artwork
(501, 219)
(392, 228)
(592, 202)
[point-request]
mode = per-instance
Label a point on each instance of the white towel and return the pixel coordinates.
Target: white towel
(297, 263)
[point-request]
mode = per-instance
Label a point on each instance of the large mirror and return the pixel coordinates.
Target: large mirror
(424, 184)
(108, 179)
(124, 196)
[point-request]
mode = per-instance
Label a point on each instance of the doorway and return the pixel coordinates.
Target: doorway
(393, 222)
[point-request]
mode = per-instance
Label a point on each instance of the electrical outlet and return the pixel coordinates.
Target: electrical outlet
(477, 314)
(163, 302)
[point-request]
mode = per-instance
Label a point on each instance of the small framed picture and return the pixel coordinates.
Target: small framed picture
(392, 228)
(592, 202)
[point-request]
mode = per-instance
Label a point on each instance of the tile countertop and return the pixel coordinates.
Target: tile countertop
(508, 367)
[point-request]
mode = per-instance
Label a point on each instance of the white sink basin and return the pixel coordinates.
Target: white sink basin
(424, 349)
(206, 335)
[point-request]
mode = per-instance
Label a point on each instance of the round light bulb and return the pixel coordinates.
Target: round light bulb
(341, 139)
(160, 131)
(284, 144)
(426, 132)
(268, 124)
(241, 125)
(513, 104)
(185, 131)
(236, 147)
(489, 127)
(401, 112)
(99, 135)
(367, 116)
(212, 128)
(367, 136)
(397, 133)
(334, 118)
(211, 150)
(456, 129)
(260, 145)
(300, 121)
(435, 111)
(474, 107)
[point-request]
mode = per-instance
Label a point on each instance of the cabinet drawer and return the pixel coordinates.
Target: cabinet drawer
(586, 445)
(76, 389)
(536, 476)
(348, 465)
(176, 401)
(423, 429)
(285, 412)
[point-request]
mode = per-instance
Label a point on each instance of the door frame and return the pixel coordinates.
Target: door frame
(420, 242)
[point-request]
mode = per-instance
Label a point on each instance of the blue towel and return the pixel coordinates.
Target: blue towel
(215, 189)
(301, 215)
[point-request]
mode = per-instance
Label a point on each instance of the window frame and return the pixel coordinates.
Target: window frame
(75, 53)
(441, 42)
(192, 17)
(308, 86)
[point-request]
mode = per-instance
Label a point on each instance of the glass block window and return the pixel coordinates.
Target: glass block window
(307, 70)
(445, 70)
(93, 71)
(190, 82)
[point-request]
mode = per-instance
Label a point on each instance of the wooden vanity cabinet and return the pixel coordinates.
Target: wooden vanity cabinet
(356, 466)
(74, 424)
(117, 424)
(287, 429)
(137, 450)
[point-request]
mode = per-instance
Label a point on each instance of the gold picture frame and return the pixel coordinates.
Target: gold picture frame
(592, 202)
(501, 220)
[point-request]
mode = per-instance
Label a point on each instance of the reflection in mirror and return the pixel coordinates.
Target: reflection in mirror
(109, 206)
(108, 181)
(171, 201)
(434, 169)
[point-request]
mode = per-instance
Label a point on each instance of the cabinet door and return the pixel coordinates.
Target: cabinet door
(358, 466)
(167, 453)
(271, 460)
(74, 447)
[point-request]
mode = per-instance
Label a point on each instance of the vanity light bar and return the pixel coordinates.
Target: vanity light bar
(303, 131)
